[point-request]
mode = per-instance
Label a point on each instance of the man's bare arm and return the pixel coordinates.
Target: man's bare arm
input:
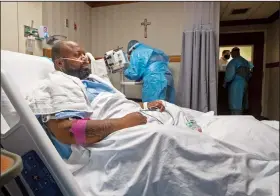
(96, 130)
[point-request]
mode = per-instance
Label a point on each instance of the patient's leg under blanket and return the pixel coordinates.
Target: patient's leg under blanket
(156, 160)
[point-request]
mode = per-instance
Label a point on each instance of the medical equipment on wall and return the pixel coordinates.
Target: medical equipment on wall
(116, 61)
(44, 172)
(32, 34)
(51, 40)
(43, 32)
(39, 34)
(30, 44)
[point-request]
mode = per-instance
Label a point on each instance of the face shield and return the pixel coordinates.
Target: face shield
(131, 48)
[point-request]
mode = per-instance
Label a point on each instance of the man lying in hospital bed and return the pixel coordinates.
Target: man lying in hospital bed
(116, 157)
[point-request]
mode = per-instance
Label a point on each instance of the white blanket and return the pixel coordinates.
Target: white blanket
(272, 123)
(156, 160)
(245, 132)
(159, 160)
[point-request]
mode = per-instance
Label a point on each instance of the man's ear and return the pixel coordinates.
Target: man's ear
(59, 63)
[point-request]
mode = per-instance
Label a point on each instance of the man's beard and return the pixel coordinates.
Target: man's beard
(82, 73)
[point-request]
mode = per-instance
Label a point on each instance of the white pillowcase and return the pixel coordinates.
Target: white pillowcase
(25, 71)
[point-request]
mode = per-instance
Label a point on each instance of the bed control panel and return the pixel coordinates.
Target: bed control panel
(38, 177)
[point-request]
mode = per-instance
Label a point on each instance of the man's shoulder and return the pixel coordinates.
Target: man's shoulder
(55, 79)
(243, 59)
(232, 61)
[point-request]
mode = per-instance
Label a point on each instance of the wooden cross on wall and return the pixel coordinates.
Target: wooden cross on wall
(145, 24)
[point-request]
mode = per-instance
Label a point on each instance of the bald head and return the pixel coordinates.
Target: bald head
(235, 52)
(70, 58)
(60, 48)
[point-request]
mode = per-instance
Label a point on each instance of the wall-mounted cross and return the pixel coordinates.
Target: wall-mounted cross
(145, 24)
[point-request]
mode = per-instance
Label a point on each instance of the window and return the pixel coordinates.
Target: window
(246, 51)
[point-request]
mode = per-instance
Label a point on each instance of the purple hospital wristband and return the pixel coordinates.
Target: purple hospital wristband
(78, 128)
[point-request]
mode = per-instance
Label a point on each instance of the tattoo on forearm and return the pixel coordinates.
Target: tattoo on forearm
(100, 129)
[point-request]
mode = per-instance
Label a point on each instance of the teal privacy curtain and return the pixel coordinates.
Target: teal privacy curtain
(197, 88)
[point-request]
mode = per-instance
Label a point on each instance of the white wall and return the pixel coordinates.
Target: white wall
(9, 27)
(14, 15)
(243, 28)
(114, 26)
(272, 74)
(272, 52)
(55, 14)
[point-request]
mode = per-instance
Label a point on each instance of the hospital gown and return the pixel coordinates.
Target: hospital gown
(237, 76)
(93, 88)
(151, 66)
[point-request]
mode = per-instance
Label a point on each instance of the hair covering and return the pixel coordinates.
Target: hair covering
(131, 43)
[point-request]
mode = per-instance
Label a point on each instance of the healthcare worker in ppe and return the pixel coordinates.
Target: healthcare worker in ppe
(150, 65)
(223, 61)
(236, 79)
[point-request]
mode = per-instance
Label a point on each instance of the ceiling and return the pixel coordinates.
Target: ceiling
(257, 10)
(106, 3)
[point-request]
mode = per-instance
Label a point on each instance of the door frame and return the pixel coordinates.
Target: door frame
(257, 40)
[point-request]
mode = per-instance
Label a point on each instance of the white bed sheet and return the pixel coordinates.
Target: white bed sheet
(235, 155)
(158, 160)
(244, 132)
(272, 123)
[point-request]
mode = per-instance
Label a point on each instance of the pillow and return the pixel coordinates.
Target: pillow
(25, 70)
(8, 113)
(4, 125)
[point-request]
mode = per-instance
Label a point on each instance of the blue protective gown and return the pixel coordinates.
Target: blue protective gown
(151, 66)
(237, 85)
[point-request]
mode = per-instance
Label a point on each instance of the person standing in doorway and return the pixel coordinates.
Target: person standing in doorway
(223, 61)
(236, 79)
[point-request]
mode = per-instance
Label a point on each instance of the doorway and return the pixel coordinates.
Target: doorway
(255, 41)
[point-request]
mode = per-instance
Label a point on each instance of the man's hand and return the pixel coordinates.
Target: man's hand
(133, 119)
(156, 104)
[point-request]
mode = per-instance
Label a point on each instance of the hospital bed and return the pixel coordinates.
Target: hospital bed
(22, 134)
(44, 172)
